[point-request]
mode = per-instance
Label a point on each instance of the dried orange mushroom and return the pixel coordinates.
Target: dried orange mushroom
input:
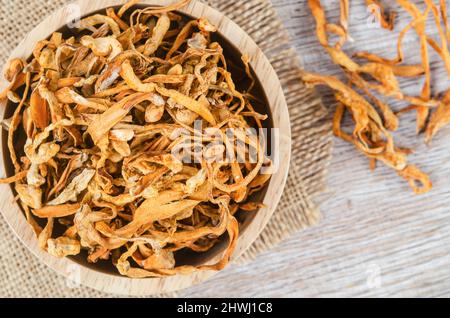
(101, 114)
(372, 117)
(386, 20)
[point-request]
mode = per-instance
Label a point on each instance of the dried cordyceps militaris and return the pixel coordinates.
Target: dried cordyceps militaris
(373, 118)
(386, 20)
(101, 113)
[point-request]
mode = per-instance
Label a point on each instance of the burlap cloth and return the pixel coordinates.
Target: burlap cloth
(23, 275)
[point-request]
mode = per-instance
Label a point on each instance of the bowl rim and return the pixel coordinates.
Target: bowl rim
(277, 103)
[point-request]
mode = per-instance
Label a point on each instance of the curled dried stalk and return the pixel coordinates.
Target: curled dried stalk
(441, 49)
(420, 27)
(387, 21)
(104, 116)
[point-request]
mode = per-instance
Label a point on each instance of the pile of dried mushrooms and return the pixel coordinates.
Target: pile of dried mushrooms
(102, 113)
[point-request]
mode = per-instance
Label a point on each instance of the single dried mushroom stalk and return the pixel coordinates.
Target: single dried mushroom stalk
(104, 114)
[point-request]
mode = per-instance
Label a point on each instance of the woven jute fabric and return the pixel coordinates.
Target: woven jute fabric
(23, 275)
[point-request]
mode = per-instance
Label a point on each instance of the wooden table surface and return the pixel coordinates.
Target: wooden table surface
(376, 238)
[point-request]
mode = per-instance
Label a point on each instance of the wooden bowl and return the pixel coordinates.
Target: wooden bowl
(236, 42)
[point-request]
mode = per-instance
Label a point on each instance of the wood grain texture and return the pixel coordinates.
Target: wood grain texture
(122, 285)
(376, 238)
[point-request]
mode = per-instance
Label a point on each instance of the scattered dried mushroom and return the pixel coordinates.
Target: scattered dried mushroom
(100, 114)
(374, 119)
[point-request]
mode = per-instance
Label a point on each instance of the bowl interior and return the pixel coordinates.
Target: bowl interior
(260, 104)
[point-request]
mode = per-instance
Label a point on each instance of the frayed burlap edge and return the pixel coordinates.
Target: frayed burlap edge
(22, 274)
